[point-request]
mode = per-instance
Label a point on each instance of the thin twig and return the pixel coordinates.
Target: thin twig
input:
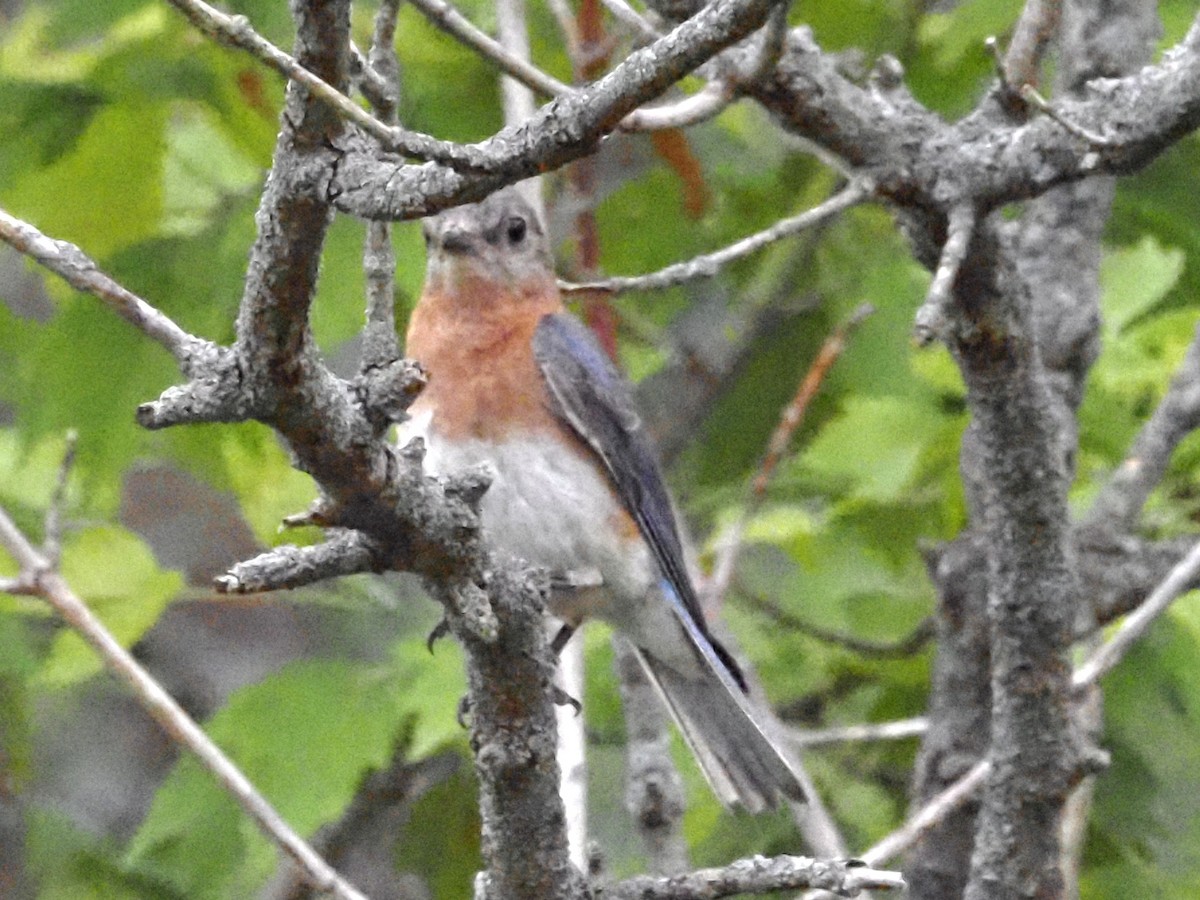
(1030, 95)
(1138, 622)
(1031, 36)
(630, 17)
(1120, 501)
(458, 26)
(932, 321)
(565, 16)
(793, 413)
(905, 647)
(691, 110)
(52, 540)
(512, 36)
(81, 272)
(380, 344)
(237, 32)
(697, 108)
(881, 731)
(992, 45)
(710, 264)
(774, 34)
(512, 32)
(1099, 664)
(42, 580)
(929, 815)
(370, 83)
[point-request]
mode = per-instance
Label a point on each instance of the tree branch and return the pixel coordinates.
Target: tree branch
(654, 794)
(81, 272)
(281, 568)
(236, 31)
(567, 128)
(932, 318)
(929, 815)
(758, 875)
(1031, 36)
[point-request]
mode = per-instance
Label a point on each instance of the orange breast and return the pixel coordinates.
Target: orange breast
(483, 380)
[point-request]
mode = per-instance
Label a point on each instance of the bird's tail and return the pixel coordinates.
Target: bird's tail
(743, 765)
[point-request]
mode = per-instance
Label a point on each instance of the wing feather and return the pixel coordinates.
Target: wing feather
(596, 400)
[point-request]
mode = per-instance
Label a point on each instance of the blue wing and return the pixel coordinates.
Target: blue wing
(597, 402)
(589, 394)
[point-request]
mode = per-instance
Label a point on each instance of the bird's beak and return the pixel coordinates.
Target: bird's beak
(456, 240)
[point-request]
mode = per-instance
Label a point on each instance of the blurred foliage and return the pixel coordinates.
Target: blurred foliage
(127, 133)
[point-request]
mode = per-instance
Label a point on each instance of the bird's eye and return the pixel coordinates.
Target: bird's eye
(515, 229)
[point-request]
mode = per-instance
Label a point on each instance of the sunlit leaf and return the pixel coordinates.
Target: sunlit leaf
(1135, 279)
(117, 576)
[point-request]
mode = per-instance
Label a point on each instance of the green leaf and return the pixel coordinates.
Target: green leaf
(95, 196)
(1135, 279)
(440, 842)
(202, 170)
(873, 447)
(305, 737)
(67, 862)
(1145, 823)
(963, 29)
(117, 577)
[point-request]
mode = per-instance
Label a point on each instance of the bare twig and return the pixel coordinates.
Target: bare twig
(52, 540)
(568, 127)
(882, 731)
(654, 794)
(931, 320)
(1120, 501)
(697, 108)
(344, 552)
(369, 82)
(793, 413)
(1138, 622)
(458, 26)
(709, 264)
(512, 32)
(930, 814)
(237, 32)
(565, 16)
(691, 110)
(1031, 35)
(81, 272)
(1030, 95)
(718, 93)
(40, 579)
(774, 34)
(380, 344)
(759, 875)
(633, 19)
(992, 45)
(907, 646)
(572, 752)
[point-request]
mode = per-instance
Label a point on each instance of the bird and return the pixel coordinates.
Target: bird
(518, 383)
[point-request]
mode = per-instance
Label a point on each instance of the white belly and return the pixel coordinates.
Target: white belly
(552, 508)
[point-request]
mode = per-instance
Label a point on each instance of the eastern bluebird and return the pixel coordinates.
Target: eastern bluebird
(518, 383)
